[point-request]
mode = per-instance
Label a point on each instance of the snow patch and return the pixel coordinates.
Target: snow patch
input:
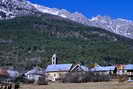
(45, 9)
(64, 16)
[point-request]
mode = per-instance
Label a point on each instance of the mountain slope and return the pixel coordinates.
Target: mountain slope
(14, 8)
(31, 40)
(119, 26)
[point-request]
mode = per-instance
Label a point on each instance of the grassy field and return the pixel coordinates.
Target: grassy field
(99, 85)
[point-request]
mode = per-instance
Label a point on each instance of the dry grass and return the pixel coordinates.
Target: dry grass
(99, 85)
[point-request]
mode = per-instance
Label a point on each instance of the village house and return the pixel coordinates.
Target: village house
(118, 69)
(3, 72)
(103, 69)
(129, 71)
(56, 71)
(125, 69)
(8, 74)
(34, 74)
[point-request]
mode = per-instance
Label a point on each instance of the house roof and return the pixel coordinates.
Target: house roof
(84, 68)
(13, 73)
(35, 70)
(79, 67)
(128, 67)
(58, 67)
(103, 68)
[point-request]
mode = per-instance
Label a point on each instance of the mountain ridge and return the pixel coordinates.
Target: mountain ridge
(13, 8)
(119, 26)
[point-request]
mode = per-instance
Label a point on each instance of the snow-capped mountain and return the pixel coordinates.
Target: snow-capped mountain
(78, 17)
(119, 26)
(12, 8)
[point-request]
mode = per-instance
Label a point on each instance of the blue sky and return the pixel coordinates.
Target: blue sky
(90, 8)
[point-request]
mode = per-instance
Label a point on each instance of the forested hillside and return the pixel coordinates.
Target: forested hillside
(32, 40)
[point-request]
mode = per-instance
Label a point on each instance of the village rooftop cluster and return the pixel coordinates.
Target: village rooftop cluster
(57, 72)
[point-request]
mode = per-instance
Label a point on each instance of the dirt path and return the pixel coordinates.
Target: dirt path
(100, 85)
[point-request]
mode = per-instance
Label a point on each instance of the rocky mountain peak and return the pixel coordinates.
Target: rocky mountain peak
(13, 8)
(99, 17)
(119, 26)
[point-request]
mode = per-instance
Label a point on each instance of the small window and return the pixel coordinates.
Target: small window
(54, 75)
(60, 74)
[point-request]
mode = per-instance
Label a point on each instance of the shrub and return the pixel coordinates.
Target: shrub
(83, 77)
(42, 81)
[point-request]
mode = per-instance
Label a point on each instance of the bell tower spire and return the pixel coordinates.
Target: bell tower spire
(54, 59)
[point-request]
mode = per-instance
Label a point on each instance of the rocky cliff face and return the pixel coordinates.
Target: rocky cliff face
(78, 17)
(12, 8)
(118, 26)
